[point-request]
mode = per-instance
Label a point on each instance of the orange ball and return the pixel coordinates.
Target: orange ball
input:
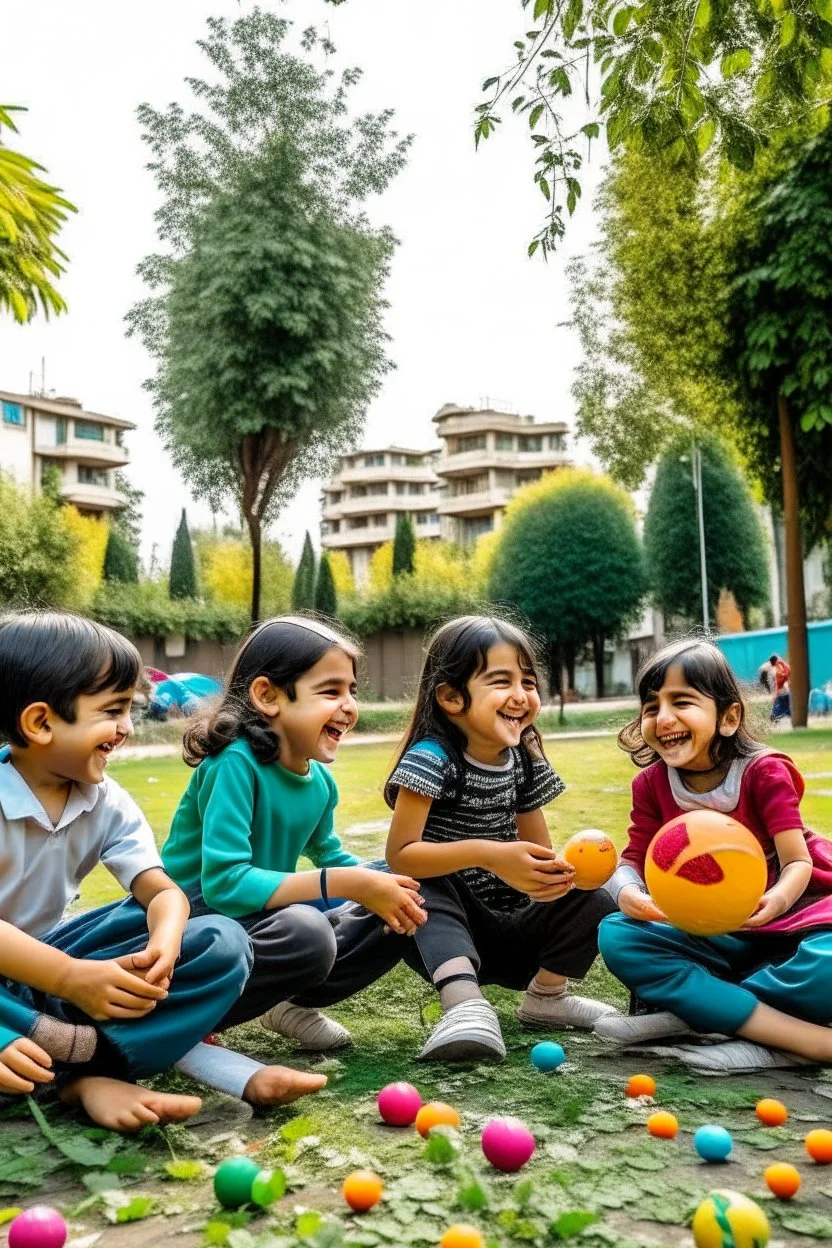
(772, 1113)
(641, 1085)
(663, 1125)
(593, 856)
(461, 1235)
(819, 1146)
(436, 1114)
(782, 1179)
(362, 1189)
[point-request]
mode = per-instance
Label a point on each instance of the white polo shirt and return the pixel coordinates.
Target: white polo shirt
(42, 864)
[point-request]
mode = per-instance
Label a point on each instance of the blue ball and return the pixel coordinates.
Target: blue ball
(547, 1056)
(713, 1143)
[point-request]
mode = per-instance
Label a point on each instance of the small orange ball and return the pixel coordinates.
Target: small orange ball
(772, 1113)
(641, 1085)
(362, 1189)
(819, 1146)
(593, 856)
(663, 1125)
(782, 1179)
(461, 1235)
(436, 1114)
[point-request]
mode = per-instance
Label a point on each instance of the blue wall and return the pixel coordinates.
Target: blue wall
(746, 652)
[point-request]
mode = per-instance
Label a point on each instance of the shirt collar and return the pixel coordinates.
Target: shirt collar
(17, 801)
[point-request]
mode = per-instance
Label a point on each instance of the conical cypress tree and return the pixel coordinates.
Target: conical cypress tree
(303, 590)
(120, 562)
(182, 566)
(404, 545)
(326, 599)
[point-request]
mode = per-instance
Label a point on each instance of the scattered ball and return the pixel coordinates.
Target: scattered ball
(233, 1181)
(362, 1189)
(713, 1143)
(819, 1146)
(593, 856)
(706, 872)
(461, 1235)
(38, 1227)
(782, 1179)
(507, 1143)
(772, 1113)
(435, 1114)
(641, 1085)
(547, 1056)
(663, 1125)
(268, 1186)
(398, 1104)
(730, 1220)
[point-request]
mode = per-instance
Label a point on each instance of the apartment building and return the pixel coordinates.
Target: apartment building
(362, 500)
(85, 448)
(486, 457)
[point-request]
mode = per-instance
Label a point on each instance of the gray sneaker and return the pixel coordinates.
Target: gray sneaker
(640, 1028)
(467, 1032)
(541, 1010)
(312, 1029)
(735, 1057)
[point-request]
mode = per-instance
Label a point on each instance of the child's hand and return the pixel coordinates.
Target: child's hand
(394, 898)
(772, 905)
(638, 905)
(530, 868)
(154, 964)
(23, 1064)
(108, 989)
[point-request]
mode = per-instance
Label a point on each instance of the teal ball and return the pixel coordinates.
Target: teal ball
(713, 1143)
(547, 1056)
(233, 1180)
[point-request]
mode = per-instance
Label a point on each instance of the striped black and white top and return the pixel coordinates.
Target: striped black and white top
(475, 800)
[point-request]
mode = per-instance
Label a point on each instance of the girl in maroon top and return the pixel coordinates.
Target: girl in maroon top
(771, 982)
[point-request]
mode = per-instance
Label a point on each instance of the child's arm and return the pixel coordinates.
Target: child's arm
(167, 913)
(531, 827)
(795, 873)
(626, 887)
(776, 787)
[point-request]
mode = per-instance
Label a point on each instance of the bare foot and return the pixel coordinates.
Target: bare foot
(278, 1085)
(126, 1106)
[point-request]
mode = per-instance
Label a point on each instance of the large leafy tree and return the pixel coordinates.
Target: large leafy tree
(38, 549)
(266, 324)
(31, 215)
(735, 546)
(570, 559)
(120, 562)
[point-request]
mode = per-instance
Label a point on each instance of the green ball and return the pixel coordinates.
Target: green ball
(233, 1180)
(268, 1186)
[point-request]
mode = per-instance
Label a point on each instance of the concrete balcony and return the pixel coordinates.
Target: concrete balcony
(385, 472)
(92, 497)
(86, 451)
(374, 504)
(469, 423)
(349, 539)
(478, 503)
(467, 462)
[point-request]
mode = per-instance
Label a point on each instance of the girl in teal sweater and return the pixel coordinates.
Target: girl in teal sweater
(260, 798)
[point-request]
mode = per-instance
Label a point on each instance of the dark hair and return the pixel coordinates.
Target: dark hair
(457, 651)
(705, 669)
(55, 657)
(282, 650)
(774, 659)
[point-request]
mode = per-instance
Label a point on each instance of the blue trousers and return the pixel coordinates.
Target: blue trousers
(715, 983)
(210, 975)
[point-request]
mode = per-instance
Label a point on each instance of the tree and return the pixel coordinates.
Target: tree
(326, 600)
(38, 550)
(570, 559)
(225, 573)
(120, 562)
(735, 546)
(31, 215)
(303, 590)
(266, 326)
(404, 545)
(343, 579)
(182, 566)
(129, 519)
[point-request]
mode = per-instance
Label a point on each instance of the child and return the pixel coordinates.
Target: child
(261, 797)
(121, 992)
(467, 793)
(770, 982)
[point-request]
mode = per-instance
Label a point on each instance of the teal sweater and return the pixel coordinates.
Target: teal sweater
(242, 825)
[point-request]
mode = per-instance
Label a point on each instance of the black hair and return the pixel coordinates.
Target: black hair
(55, 657)
(705, 669)
(457, 651)
(281, 649)
(774, 659)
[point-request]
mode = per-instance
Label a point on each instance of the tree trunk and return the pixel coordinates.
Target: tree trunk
(570, 667)
(255, 533)
(598, 653)
(798, 652)
(557, 678)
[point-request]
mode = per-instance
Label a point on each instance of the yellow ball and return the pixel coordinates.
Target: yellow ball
(593, 856)
(730, 1220)
(706, 872)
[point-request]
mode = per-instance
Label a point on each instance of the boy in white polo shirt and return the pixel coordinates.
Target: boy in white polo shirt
(124, 991)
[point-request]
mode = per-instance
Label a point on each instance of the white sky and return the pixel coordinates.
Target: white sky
(470, 315)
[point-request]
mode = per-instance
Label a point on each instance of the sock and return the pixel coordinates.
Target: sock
(547, 990)
(455, 981)
(223, 1069)
(65, 1042)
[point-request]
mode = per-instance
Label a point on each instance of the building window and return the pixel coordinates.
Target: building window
(401, 488)
(60, 431)
(92, 476)
(334, 526)
(413, 461)
(380, 520)
(505, 442)
(556, 441)
(374, 461)
(335, 496)
(14, 414)
(461, 445)
(89, 429)
(531, 442)
(415, 487)
(473, 529)
(397, 460)
(380, 487)
(422, 518)
(358, 491)
(357, 522)
(435, 518)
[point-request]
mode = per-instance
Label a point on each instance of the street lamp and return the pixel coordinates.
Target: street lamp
(696, 476)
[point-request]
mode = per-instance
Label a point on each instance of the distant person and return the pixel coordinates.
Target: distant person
(779, 685)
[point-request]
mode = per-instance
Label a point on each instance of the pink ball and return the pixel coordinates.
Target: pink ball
(38, 1227)
(507, 1143)
(398, 1104)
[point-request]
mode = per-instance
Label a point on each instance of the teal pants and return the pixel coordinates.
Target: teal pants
(210, 975)
(715, 983)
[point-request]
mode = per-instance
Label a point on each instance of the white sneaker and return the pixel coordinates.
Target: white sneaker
(542, 1010)
(735, 1057)
(636, 1028)
(312, 1029)
(468, 1031)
